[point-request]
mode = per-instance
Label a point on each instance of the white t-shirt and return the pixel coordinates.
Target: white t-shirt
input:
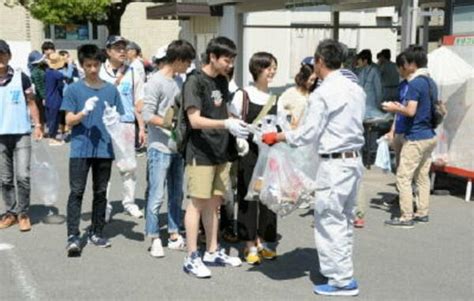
(255, 96)
(139, 68)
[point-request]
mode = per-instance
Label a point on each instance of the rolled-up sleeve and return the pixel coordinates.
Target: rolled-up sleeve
(315, 119)
(150, 101)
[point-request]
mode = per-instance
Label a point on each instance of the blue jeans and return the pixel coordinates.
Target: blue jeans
(15, 156)
(164, 169)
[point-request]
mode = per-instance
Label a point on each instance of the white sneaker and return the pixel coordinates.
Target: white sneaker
(220, 258)
(134, 211)
(178, 244)
(156, 249)
(108, 213)
(193, 265)
(303, 205)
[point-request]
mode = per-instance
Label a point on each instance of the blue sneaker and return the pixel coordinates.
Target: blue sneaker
(329, 290)
(98, 241)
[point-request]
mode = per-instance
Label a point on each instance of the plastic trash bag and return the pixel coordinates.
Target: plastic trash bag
(44, 176)
(289, 178)
(382, 158)
(268, 124)
(123, 139)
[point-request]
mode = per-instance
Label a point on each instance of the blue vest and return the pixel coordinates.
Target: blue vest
(14, 114)
(126, 90)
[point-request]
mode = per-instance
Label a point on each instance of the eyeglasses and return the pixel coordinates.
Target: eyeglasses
(119, 47)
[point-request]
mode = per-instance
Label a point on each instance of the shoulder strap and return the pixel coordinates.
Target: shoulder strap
(245, 104)
(268, 106)
(426, 78)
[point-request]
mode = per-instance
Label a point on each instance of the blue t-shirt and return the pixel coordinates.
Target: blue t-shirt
(54, 85)
(90, 139)
(400, 119)
(420, 126)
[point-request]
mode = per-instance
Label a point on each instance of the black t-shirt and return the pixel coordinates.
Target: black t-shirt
(210, 96)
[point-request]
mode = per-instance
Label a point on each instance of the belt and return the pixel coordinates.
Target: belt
(344, 155)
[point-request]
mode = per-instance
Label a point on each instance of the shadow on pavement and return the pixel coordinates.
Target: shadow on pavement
(300, 262)
(387, 202)
(45, 214)
(124, 228)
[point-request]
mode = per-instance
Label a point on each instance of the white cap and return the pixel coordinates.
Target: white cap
(160, 53)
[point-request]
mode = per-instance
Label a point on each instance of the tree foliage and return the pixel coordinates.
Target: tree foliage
(69, 11)
(107, 12)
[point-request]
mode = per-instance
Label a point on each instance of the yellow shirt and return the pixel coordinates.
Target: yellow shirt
(293, 102)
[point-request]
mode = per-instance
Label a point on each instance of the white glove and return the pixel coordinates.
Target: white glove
(111, 116)
(236, 127)
(90, 105)
(242, 147)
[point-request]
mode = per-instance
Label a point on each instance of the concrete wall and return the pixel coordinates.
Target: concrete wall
(149, 34)
(291, 45)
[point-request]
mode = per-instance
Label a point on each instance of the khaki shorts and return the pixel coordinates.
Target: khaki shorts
(206, 181)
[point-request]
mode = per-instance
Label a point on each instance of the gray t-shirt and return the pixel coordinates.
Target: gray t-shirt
(161, 93)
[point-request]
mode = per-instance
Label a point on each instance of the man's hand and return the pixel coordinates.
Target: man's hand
(270, 138)
(142, 137)
(38, 132)
(237, 127)
(391, 106)
(90, 105)
(389, 136)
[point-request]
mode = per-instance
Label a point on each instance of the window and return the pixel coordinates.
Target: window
(72, 32)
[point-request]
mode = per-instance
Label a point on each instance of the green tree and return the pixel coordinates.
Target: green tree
(106, 12)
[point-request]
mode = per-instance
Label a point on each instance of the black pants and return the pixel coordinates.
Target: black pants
(253, 219)
(78, 171)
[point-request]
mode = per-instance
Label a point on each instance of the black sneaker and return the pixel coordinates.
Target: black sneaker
(396, 222)
(98, 241)
(73, 246)
(421, 219)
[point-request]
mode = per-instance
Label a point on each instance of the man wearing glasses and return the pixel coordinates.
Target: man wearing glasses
(131, 88)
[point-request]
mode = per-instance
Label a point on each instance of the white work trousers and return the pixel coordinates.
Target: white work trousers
(129, 181)
(337, 184)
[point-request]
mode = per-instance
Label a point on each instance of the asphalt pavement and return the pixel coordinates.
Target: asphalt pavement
(430, 262)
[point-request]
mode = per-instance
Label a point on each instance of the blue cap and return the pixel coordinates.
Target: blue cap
(309, 60)
(111, 40)
(35, 57)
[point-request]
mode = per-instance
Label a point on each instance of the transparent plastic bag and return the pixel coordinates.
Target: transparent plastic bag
(123, 139)
(268, 124)
(43, 174)
(289, 178)
(382, 158)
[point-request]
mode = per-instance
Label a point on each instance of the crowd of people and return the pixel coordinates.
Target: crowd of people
(201, 146)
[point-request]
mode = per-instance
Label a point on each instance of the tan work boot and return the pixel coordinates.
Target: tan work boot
(24, 222)
(8, 220)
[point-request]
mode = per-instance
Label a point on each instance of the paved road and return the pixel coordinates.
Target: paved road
(430, 262)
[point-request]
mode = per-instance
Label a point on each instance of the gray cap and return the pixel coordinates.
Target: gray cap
(133, 45)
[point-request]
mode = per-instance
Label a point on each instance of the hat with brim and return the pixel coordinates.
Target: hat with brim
(112, 40)
(35, 57)
(160, 53)
(55, 61)
(309, 60)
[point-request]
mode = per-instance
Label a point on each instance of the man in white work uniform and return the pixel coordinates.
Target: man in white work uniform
(333, 124)
(131, 89)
